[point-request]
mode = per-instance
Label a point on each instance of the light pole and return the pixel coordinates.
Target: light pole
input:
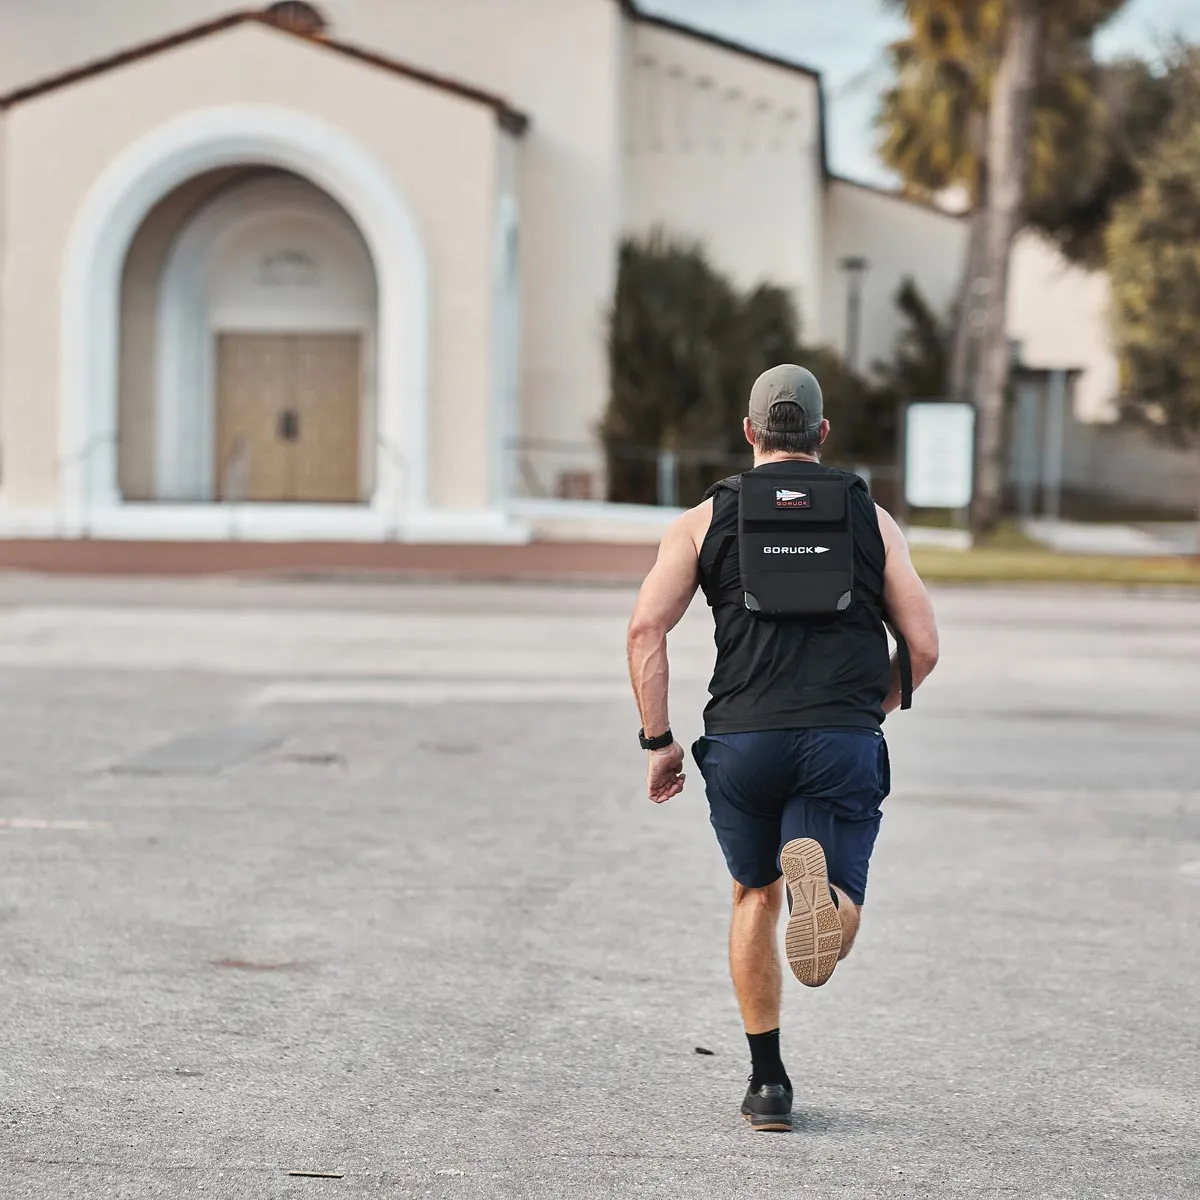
(855, 267)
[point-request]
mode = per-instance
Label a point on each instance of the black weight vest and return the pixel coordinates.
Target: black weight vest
(792, 567)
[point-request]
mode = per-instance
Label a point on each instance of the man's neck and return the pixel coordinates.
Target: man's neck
(761, 460)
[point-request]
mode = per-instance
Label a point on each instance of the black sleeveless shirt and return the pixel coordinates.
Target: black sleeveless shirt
(801, 672)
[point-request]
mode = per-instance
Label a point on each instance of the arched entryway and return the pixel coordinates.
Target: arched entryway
(248, 335)
(298, 266)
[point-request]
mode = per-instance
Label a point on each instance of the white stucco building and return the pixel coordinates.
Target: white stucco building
(300, 274)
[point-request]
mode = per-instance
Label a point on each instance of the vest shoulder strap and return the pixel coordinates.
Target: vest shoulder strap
(727, 544)
(731, 483)
(903, 662)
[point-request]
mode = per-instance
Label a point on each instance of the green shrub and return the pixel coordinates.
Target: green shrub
(684, 346)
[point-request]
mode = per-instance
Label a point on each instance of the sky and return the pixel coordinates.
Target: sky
(846, 41)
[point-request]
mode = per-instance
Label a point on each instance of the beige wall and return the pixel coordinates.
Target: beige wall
(1059, 314)
(1116, 464)
(3, 235)
(440, 150)
(726, 149)
(556, 60)
(899, 238)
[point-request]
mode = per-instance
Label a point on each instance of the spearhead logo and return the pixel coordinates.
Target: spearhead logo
(786, 498)
(795, 549)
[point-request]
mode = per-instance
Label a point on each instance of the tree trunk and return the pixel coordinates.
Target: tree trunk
(972, 295)
(1008, 169)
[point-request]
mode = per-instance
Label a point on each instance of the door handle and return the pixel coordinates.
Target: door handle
(289, 425)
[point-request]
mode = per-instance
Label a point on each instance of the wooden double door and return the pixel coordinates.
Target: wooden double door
(289, 417)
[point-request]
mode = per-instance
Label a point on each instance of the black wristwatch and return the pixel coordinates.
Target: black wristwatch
(656, 743)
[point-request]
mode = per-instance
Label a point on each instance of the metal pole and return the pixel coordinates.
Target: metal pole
(855, 268)
(668, 478)
(85, 516)
(901, 513)
(1025, 452)
(853, 316)
(1052, 462)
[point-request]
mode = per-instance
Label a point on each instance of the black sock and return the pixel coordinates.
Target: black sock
(766, 1064)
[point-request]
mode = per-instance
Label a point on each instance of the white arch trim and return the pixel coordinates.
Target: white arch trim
(184, 384)
(91, 287)
(506, 366)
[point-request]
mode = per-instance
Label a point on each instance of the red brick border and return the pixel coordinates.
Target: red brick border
(576, 561)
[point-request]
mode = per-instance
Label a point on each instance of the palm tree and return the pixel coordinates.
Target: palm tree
(1008, 170)
(1000, 98)
(933, 122)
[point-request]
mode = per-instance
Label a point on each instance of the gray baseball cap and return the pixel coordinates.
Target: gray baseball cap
(791, 383)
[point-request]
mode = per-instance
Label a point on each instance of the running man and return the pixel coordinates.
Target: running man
(793, 756)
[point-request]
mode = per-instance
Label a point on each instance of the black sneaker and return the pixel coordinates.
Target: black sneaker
(768, 1107)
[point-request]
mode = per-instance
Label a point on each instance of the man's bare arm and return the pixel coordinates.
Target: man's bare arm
(909, 607)
(664, 598)
(662, 601)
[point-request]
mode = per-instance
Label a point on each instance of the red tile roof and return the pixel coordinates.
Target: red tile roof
(509, 118)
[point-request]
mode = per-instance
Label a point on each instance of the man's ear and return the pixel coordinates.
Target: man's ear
(748, 430)
(824, 432)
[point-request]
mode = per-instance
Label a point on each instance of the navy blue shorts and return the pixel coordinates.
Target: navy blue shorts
(764, 789)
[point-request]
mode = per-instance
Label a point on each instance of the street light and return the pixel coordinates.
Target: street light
(855, 267)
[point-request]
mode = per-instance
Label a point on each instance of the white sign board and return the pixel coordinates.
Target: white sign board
(939, 458)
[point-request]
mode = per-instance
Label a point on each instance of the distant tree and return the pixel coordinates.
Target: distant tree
(999, 98)
(1008, 159)
(684, 346)
(917, 368)
(1132, 103)
(1153, 248)
(932, 120)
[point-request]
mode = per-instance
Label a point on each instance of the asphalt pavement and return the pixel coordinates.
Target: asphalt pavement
(360, 879)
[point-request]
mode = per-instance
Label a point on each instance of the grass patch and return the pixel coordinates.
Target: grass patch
(1008, 535)
(999, 562)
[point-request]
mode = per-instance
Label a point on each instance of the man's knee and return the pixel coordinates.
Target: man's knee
(768, 899)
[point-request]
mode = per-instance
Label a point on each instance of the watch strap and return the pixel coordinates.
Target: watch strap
(661, 742)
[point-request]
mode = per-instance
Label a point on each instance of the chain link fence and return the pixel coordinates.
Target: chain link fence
(543, 468)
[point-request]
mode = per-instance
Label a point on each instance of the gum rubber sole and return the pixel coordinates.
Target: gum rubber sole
(782, 1126)
(813, 939)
